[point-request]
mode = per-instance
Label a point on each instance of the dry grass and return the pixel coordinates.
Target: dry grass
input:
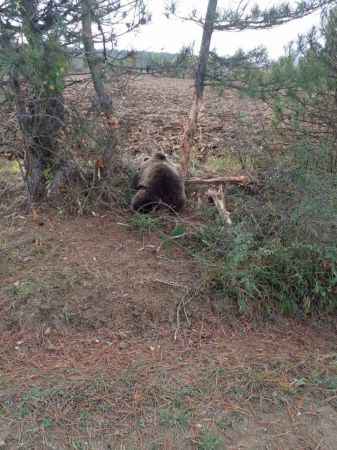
(254, 389)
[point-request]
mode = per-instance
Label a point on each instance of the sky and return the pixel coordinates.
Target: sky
(170, 35)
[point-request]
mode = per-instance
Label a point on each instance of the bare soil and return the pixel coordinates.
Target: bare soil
(156, 113)
(109, 342)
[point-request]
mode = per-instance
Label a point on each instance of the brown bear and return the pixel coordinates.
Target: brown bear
(157, 182)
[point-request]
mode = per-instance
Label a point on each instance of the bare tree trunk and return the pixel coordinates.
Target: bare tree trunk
(190, 127)
(42, 157)
(104, 100)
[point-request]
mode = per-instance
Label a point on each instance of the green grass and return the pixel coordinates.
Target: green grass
(9, 168)
(280, 254)
(145, 223)
(174, 417)
(226, 163)
(24, 290)
(209, 440)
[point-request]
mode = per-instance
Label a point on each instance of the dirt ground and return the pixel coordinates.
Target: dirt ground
(155, 112)
(108, 342)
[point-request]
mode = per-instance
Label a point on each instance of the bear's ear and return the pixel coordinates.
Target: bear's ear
(160, 156)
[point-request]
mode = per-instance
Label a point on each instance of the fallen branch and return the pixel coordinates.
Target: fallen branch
(219, 180)
(218, 198)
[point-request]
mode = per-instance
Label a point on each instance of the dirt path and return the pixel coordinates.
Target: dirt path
(91, 357)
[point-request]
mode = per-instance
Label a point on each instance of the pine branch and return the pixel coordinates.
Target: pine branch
(258, 19)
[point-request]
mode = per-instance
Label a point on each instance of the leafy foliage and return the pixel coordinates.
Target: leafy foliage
(280, 255)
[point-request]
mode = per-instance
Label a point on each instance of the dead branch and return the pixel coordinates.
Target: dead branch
(242, 179)
(218, 198)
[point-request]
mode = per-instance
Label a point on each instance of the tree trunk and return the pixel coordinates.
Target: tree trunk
(40, 111)
(190, 127)
(104, 100)
(42, 159)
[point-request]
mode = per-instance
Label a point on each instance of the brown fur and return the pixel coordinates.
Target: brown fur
(157, 182)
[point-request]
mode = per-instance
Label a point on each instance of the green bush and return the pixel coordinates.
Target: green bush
(294, 278)
(280, 255)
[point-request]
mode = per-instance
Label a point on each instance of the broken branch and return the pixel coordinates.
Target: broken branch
(219, 180)
(218, 198)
